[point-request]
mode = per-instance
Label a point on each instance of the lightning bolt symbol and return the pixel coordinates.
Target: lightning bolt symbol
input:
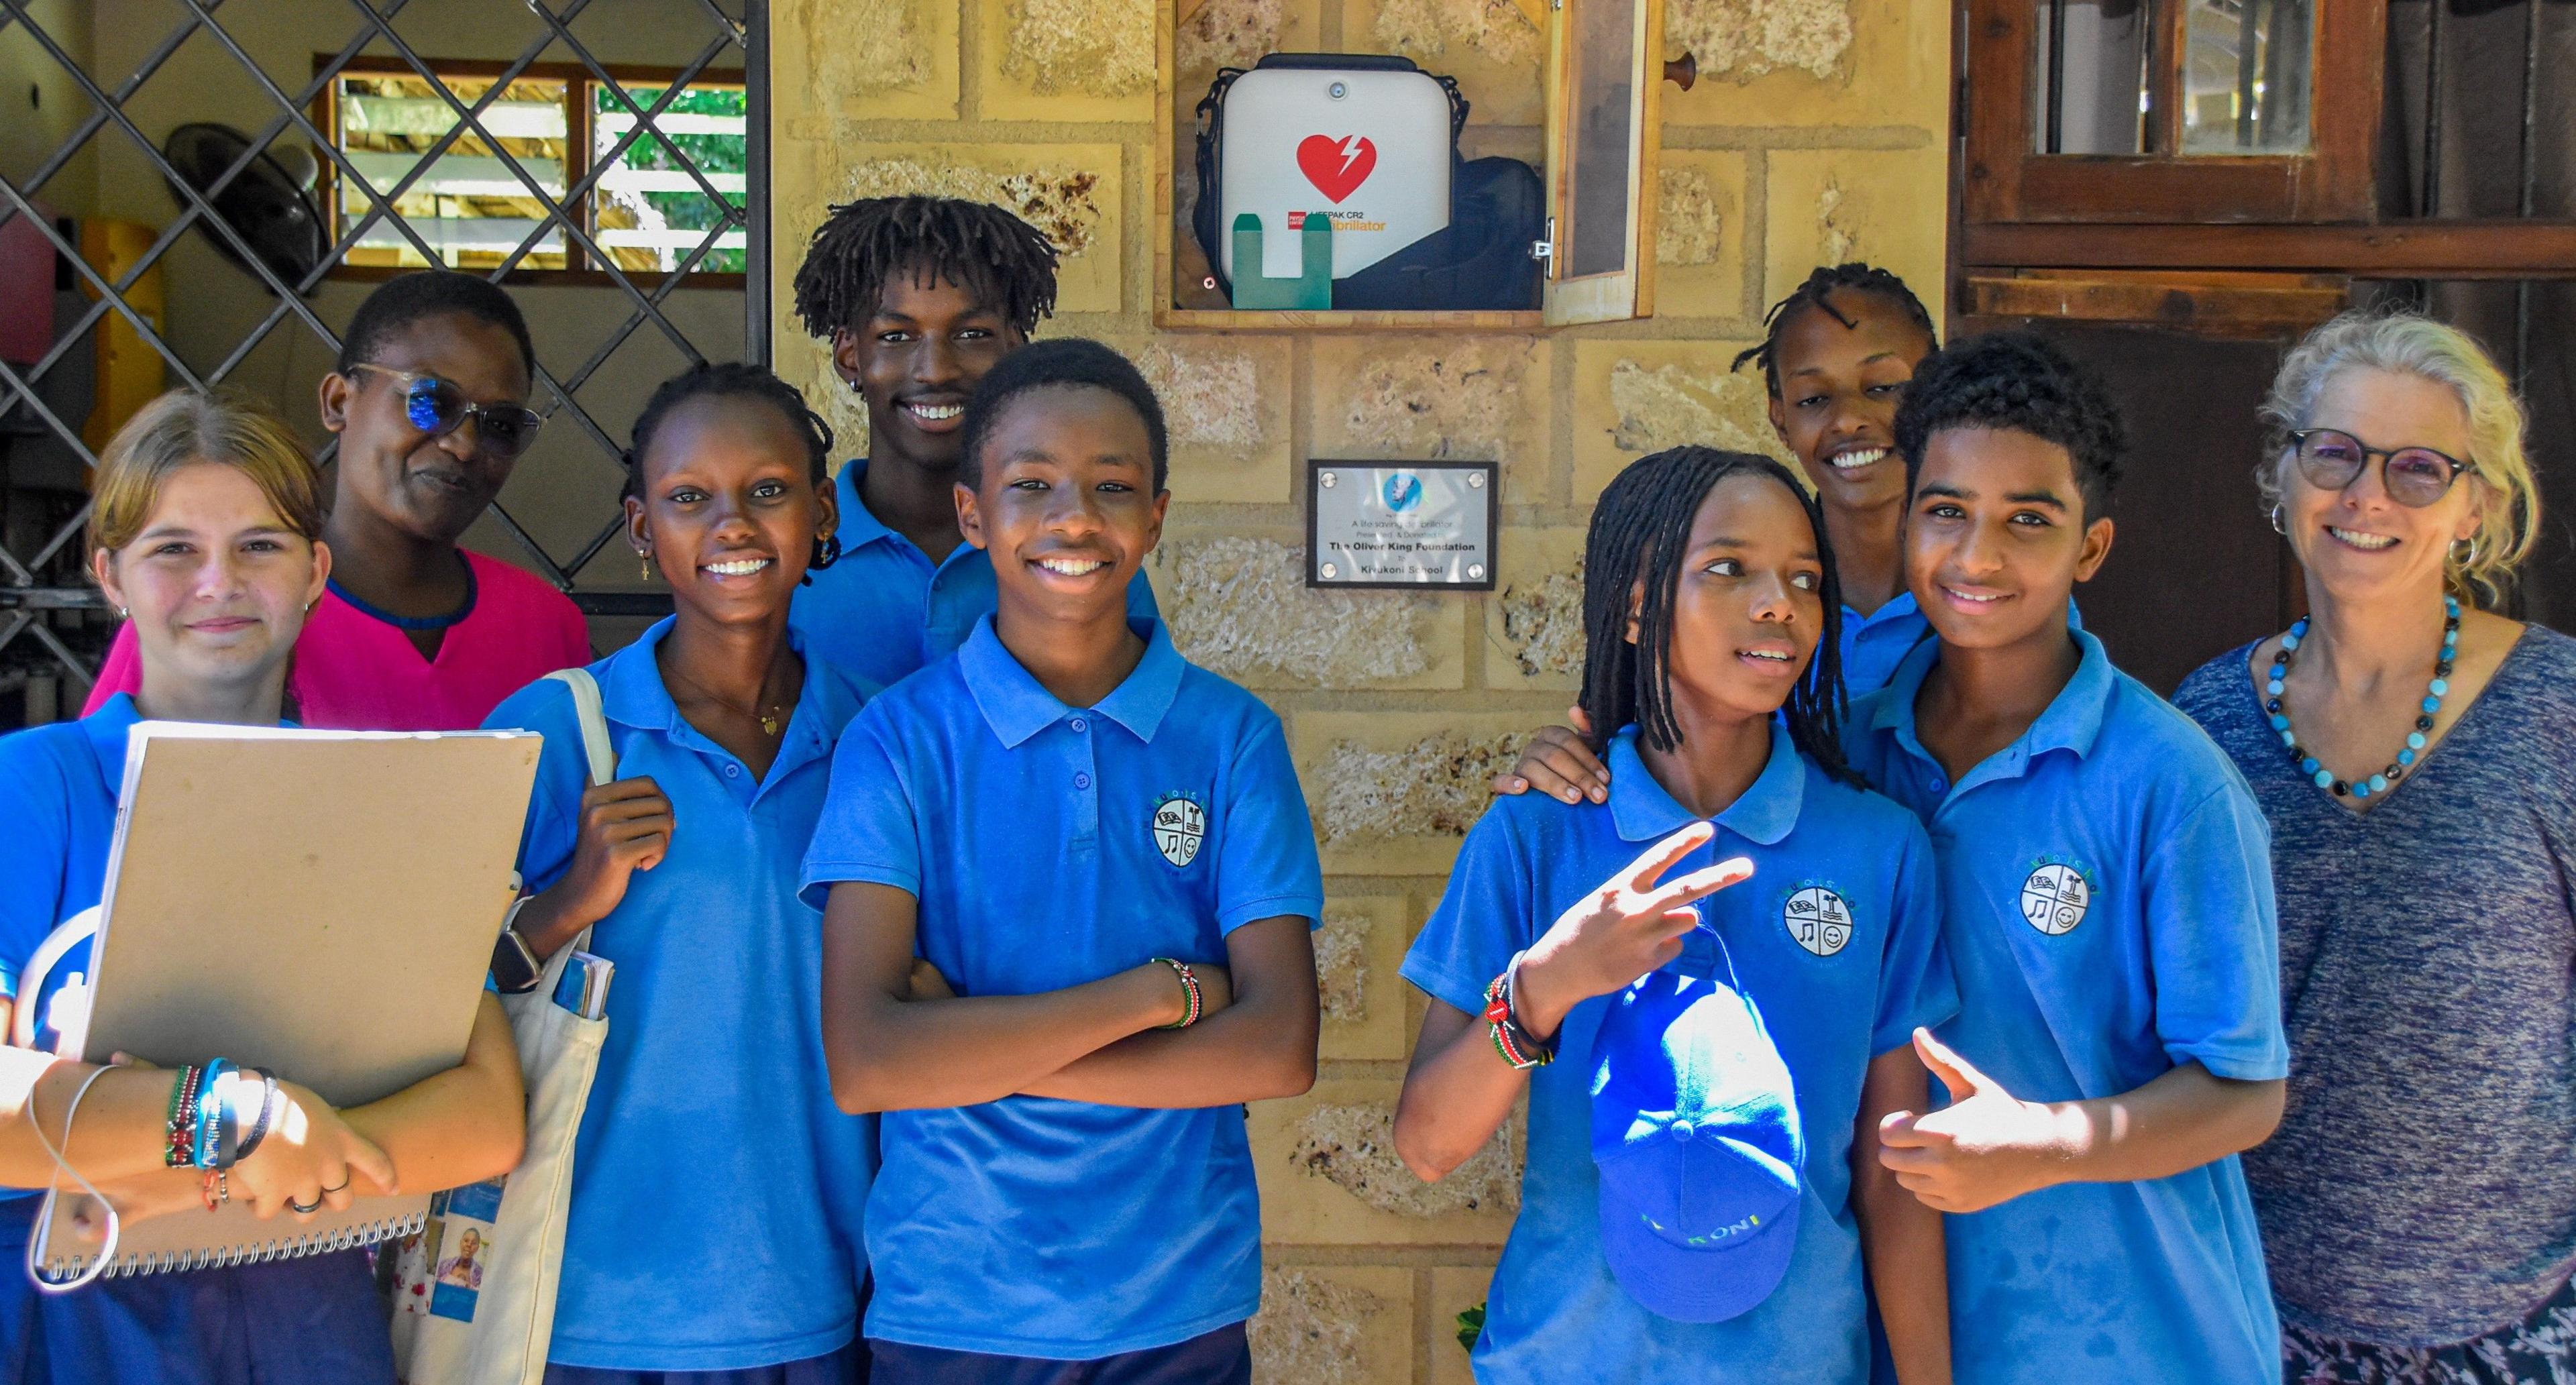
(1350, 152)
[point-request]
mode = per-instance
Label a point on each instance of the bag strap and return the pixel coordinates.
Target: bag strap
(602, 757)
(594, 722)
(1203, 215)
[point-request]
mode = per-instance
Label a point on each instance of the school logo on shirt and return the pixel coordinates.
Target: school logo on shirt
(1180, 824)
(1819, 919)
(2054, 898)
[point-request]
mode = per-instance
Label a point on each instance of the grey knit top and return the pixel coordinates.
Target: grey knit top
(2422, 1187)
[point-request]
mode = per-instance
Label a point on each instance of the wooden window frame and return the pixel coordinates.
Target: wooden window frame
(578, 81)
(2005, 181)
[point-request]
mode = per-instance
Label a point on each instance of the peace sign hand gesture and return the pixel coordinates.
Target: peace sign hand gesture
(1987, 1146)
(1619, 932)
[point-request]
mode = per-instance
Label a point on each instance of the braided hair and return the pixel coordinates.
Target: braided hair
(730, 380)
(1640, 531)
(1000, 259)
(2022, 383)
(1817, 293)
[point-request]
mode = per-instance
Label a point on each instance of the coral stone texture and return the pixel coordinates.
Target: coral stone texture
(1816, 133)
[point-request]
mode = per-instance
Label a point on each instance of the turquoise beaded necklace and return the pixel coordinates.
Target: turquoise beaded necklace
(2434, 692)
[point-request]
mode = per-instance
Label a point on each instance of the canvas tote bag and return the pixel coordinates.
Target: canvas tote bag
(474, 1292)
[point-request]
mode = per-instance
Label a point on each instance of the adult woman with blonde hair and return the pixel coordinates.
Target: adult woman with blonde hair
(204, 530)
(2410, 746)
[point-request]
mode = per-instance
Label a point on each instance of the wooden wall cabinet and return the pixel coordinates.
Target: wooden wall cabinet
(1604, 73)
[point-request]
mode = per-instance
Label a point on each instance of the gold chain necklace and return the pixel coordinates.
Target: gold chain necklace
(769, 720)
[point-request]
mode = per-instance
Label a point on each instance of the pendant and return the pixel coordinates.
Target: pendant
(769, 724)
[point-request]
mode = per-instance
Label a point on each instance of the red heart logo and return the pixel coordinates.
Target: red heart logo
(1337, 167)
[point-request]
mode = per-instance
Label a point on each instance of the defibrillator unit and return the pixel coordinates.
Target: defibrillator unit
(1368, 141)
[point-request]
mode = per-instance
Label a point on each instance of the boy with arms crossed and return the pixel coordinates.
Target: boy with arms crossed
(1071, 824)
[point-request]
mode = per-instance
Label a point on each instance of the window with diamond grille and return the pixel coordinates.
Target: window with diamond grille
(605, 159)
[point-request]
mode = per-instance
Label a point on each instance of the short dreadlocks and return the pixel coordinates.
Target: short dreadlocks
(983, 249)
(1817, 292)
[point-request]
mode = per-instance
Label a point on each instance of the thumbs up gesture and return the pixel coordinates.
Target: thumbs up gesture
(1987, 1146)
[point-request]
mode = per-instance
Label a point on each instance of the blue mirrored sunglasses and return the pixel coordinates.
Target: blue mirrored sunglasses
(439, 407)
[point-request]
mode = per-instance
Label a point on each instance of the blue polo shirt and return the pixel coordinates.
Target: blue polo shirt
(1874, 644)
(311, 1320)
(1051, 846)
(885, 609)
(717, 1192)
(58, 789)
(1833, 999)
(2107, 889)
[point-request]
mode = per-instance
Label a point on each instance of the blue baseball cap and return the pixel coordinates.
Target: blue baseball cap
(1695, 1132)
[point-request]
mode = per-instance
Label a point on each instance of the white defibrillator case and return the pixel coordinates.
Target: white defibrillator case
(1370, 148)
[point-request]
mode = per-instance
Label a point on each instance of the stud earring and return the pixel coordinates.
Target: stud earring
(124, 614)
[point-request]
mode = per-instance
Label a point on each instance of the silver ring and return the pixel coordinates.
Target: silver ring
(297, 1207)
(329, 1191)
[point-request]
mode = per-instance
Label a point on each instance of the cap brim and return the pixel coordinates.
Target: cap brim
(1697, 1285)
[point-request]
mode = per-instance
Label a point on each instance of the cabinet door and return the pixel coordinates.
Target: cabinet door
(1604, 68)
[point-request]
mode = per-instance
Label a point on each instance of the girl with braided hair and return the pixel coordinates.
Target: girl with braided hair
(714, 1232)
(1728, 954)
(918, 296)
(1835, 359)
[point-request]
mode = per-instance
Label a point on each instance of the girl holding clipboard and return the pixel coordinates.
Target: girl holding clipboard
(204, 533)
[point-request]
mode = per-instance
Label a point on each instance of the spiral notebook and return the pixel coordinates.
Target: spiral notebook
(321, 903)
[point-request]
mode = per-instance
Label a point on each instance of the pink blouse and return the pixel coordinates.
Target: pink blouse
(355, 670)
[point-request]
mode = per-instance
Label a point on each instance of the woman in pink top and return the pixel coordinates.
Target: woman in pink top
(416, 634)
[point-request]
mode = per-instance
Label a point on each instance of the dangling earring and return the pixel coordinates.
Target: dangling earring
(644, 564)
(2277, 527)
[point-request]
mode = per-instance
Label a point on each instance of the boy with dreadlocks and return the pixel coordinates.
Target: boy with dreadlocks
(919, 296)
(1703, 1200)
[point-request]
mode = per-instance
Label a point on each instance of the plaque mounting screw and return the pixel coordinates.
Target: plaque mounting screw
(1475, 480)
(1325, 480)
(1475, 572)
(1331, 570)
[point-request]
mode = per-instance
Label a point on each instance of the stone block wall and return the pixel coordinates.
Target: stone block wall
(1816, 133)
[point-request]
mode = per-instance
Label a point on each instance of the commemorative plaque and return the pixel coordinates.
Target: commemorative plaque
(1400, 524)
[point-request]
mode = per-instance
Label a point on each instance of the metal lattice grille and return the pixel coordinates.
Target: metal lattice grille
(37, 583)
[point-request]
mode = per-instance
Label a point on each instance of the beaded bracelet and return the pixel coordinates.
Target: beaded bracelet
(1512, 1042)
(1189, 986)
(182, 1131)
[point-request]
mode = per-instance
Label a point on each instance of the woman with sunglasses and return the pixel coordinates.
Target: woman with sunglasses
(2410, 747)
(430, 402)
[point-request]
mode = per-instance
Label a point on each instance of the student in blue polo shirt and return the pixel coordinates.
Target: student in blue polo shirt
(205, 532)
(2107, 897)
(1071, 824)
(1707, 1049)
(714, 1232)
(918, 296)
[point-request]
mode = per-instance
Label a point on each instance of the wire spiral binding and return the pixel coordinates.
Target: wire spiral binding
(59, 1268)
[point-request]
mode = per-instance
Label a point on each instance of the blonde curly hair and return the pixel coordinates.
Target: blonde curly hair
(2408, 343)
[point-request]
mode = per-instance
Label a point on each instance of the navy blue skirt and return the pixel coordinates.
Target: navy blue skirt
(316, 1320)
